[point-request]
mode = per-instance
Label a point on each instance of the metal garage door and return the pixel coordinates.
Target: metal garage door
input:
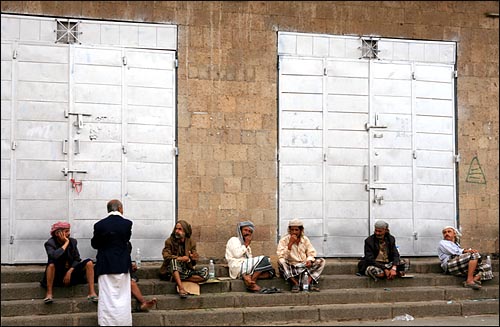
(82, 125)
(362, 139)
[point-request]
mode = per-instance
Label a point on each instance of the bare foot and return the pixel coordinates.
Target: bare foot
(146, 305)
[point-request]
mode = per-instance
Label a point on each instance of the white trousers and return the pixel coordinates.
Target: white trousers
(114, 306)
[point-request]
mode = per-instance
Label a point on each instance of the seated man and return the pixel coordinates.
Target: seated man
(462, 262)
(179, 258)
(381, 257)
(296, 255)
(64, 266)
(240, 261)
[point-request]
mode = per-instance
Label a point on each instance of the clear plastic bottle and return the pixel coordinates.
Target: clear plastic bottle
(305, 282)
(211, 270)
(138, 258)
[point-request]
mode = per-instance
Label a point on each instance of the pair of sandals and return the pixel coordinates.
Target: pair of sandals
(265, 290)
(90, 298)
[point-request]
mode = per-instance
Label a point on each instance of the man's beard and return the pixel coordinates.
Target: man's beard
(179, 236)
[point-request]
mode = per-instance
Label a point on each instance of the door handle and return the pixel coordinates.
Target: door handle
(65, 146)
(77, 146)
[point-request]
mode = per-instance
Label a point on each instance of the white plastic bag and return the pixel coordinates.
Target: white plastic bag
(405, 317)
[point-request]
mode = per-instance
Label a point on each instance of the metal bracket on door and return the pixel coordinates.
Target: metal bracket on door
(415, 235)
(67, 171)
(369, 187)
(375, 173)
(79, 119)
(376, 125)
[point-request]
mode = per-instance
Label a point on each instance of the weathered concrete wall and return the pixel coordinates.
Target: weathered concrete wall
(227, 109)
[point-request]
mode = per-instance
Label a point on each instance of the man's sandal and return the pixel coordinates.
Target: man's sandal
(183, 294)
(474, 286)
(93, 298)
(295, 288)
(48, 300)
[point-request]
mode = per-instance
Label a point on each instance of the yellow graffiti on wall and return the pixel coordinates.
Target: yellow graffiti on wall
(475, 174)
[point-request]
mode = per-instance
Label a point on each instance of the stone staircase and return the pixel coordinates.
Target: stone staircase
(343, 297)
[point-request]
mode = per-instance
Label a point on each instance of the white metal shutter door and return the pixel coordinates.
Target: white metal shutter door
(346, 139)
(96, 144)
(41, 191)
(7, 170)
(301, 146)
(391, 157)
(149, 189)
(434, 182)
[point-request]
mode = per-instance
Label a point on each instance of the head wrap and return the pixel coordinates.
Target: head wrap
(458, 235)
(381, 224)
(295, 222)
(186, 226)
(242, 224)
(59, 225)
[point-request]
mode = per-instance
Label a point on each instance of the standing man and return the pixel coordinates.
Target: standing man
(462, 262)
(179, 259)
(381, 257)
(297, 255)
(64, 266)
(111, 237)
(241, 262)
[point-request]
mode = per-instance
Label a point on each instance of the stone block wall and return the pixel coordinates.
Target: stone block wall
(227, 98)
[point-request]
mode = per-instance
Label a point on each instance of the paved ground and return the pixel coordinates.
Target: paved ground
(484, 320)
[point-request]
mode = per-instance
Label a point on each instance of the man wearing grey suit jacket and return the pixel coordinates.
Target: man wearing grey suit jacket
(111, 237)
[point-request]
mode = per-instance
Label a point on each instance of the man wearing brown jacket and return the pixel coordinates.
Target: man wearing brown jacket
(179, 258)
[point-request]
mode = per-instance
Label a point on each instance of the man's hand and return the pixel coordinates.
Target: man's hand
(134, 267)
(308, 263)
(293, 239)
(390, 273)
(194, 256)
(248, 239)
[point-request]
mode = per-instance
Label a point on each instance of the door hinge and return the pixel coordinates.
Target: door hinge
(415, 235)
(176, 63)
(278, 64)
(124, 149)
(325, 71)
(14, 54)
(176, 151)
(11, 239)
(455, 73)
(457, 157)
(13, 145)
(124, 60)
(414, 154)
(413, 76)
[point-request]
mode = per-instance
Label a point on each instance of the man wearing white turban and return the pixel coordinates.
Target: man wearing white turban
(297, 255)
(240, 261)
(462, 262)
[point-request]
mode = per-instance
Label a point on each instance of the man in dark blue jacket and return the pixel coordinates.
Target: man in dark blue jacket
(111, 237)
(381, 255)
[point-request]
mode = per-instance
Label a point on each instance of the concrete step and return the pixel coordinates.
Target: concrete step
(149, 270)
(252, 316)
(209, 301)
(33, 290)
(343, 296)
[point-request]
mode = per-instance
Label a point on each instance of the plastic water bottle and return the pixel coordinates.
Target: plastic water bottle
(211, 270)
(305, 282)
(399, 250)
(138, 258)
